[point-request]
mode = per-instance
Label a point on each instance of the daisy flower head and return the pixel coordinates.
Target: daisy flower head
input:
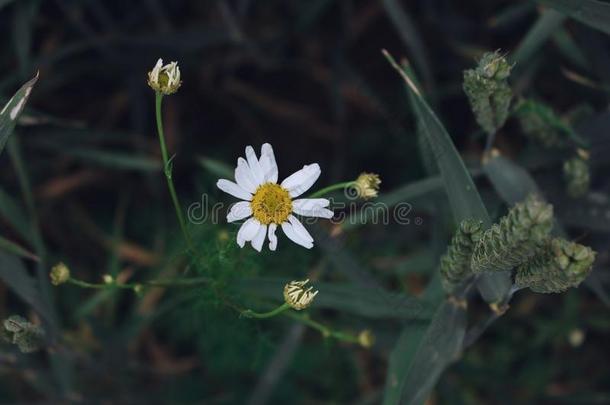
(298, 295)
(165, 78)
(268, 205)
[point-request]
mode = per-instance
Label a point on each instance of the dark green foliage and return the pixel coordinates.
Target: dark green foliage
(577, 176)
(488, 91)
(24, 334)
(455, 264)
(515, 239)
(559, 265)
(539, 122)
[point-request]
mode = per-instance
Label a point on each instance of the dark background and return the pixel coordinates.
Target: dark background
(308, 77)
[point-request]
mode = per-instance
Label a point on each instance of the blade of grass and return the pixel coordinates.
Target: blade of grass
(409, 35)
(14, 214)
(439, 346)
(15, 249)
(16, 277)
(463, 196)
(114, 160)
(593, 13)
(61, 364)
(539, 33)
(216, 167)
(462, 193)
(11, 111)
(511, 181)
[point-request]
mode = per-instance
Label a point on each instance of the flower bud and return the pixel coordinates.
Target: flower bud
(366, 339)
(297, 296)
(165, 78)
(108, 279)
(60, 273)
(577, 175)
(367, 185)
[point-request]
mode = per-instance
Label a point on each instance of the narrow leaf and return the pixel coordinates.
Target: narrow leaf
(593, 13)
(537, 36)
(511, 181)
(217, 167)
(16, 277)
(13, 248)
(11, 111)
(439, 347)
(463, 196)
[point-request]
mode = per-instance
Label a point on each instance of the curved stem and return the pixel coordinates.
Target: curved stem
(167, 169)
(323, 329)
(334, 187)
(248, 313)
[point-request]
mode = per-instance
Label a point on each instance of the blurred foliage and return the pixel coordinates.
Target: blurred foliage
(81, 183)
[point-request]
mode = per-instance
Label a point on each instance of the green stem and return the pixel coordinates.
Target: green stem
(248, 313)
(167, 169)
(334, 187)
(186, 282)
(323, 329)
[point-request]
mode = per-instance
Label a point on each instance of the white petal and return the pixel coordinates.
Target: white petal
(259, 238)
(272, 237)
(244, 177)
(312, 207)
(255, 166)
(301, 181)
(299, 228)
(239, 211)
(294, 236)
(248, 231)
(231, 188)
(269, 165)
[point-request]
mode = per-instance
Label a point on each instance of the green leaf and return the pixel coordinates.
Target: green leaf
(114, 160)
(439, 346)
(14, 214)
(463, 196)
(407, 345)
(16, 277)
(511, 181)
(539, 33)
(13, 248)
(593, 13)
(347, 298)
(408, 33)
(217, 167)
(11, 111)
(404, 350)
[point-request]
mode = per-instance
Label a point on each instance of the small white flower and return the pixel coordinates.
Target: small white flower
(267, 204)
(165, 78)
(297, 296)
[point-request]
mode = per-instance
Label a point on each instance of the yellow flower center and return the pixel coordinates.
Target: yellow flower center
(271, 204)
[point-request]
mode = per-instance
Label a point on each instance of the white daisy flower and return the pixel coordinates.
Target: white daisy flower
(267, 204)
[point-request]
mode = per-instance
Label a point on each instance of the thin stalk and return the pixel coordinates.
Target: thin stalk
(489, 143)
(323, 329)
(187, 282)
(248, 313)
(334, 187)
(167, 169)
